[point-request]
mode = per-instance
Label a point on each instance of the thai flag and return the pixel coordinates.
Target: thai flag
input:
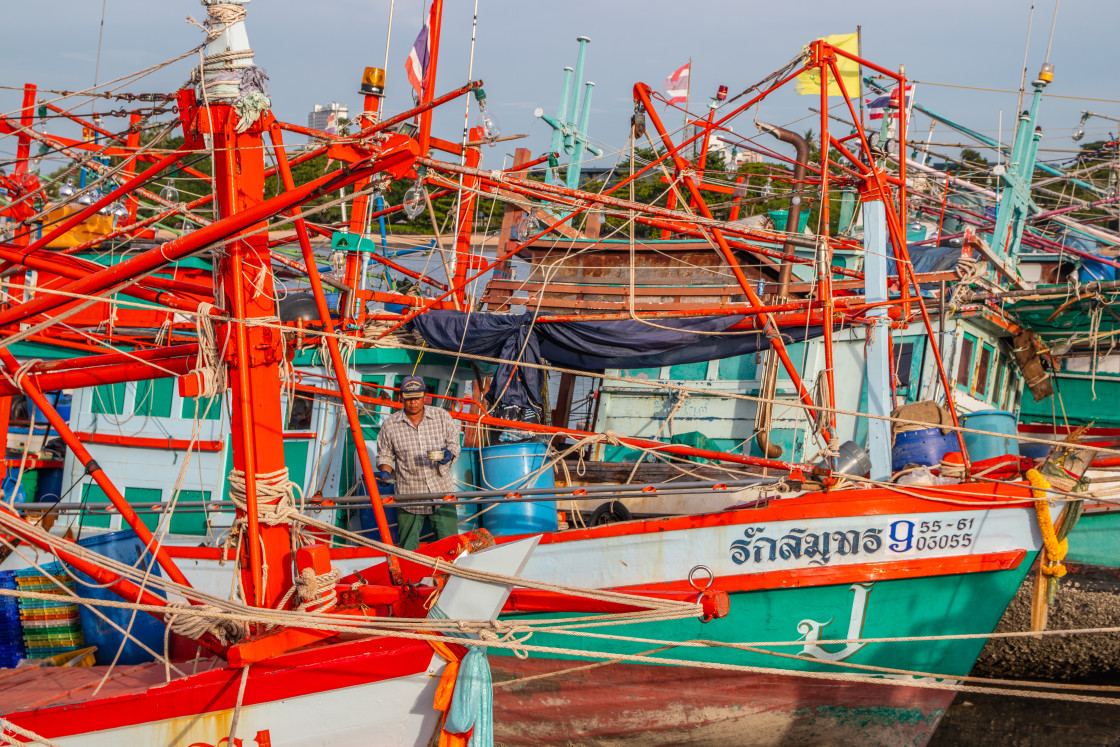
(676, 85)
(416, 66)
(878, 107)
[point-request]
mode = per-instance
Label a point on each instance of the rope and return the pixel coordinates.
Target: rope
(226, 631)
(316, 592)
(19, 731)
(237, 708)
(1054, 552)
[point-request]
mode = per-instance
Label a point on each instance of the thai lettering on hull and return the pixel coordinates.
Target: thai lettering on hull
(817, 547)
(784, 544)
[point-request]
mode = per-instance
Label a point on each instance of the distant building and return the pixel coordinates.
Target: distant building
(731, 152)
(326, 118)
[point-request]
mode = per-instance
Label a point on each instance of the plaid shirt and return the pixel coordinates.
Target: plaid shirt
(404, 448)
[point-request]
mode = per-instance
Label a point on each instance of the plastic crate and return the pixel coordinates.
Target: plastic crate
(61, 622)
(42, 604)
(54, 640)
(64, 612)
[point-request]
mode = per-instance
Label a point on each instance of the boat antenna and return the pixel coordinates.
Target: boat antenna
(1053, 23)
(389, 36)
(97, 62)
(1026, 49)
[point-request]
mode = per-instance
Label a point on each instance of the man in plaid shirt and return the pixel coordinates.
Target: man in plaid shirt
(404, 448)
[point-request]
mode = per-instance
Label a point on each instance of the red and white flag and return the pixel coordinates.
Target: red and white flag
(676, 85)
(877, 108)
(416, 66)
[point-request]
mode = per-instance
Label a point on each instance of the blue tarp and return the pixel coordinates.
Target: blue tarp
(588, 346)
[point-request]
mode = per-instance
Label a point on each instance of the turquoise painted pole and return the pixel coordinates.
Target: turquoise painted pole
(877, 378)
(575, 166)
(1015, 204)
(569, 127)
(1044, 167)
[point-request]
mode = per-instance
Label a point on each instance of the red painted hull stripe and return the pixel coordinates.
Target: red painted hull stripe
(316, 670)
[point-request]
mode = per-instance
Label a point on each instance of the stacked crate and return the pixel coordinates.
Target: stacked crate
(11, 631)
(49, 627)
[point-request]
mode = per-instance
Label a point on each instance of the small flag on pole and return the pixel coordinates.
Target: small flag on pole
(809, 82)
(676, 85)
(416, 66)
(877, 108)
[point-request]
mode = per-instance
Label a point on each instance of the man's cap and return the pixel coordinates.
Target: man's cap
(413, 388)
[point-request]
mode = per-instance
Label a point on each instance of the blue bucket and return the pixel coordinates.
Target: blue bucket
(504, 467)
(464, 471)
(124, 547)
(987, 447)
(926, 446)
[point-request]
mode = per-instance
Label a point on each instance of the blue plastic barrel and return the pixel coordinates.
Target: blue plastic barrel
(124, 547)
(506, 467)
(1033, 450)
(986, 447)
(1092, 269)
(464, 471)
(925, 446)
(367, 519)
(49, 488)
(61, 403)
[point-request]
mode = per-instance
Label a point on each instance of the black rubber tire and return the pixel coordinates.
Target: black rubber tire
(609, 513)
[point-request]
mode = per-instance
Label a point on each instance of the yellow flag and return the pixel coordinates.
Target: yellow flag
(809, 82)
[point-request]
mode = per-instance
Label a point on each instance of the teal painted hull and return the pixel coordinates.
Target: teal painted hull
(1096, 540)
(938, 605)
(625, 703)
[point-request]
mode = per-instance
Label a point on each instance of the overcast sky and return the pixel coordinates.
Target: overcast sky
(315, 50)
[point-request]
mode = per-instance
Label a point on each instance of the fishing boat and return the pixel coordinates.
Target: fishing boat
(318, 659)
(813, 543)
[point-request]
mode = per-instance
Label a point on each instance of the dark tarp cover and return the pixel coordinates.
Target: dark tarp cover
(588, 346)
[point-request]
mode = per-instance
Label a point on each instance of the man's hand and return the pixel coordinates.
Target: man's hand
(447, 457)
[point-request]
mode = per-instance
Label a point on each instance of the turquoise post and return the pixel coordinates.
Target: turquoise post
(878, 370)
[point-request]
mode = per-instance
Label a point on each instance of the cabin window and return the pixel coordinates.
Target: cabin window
(689, 371)
(94, 501)
(1001, 379)
(452, 391)
(190, 519)
(903, 362)
(153, 397)
(983, 369)
(108, 399)
(300, 412)
(964, 367)
(208, 408)
(142, 500)
(737, 368)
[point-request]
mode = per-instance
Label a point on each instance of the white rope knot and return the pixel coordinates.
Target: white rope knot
(195, 626)
(270, 486)
(951, 469)
(833, 448)
(497, 176)
(505, 632)
(612, 437)
(210, 368)
(316, 592)
(16, 379)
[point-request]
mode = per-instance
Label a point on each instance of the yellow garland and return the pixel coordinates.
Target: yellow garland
(1053, 550)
